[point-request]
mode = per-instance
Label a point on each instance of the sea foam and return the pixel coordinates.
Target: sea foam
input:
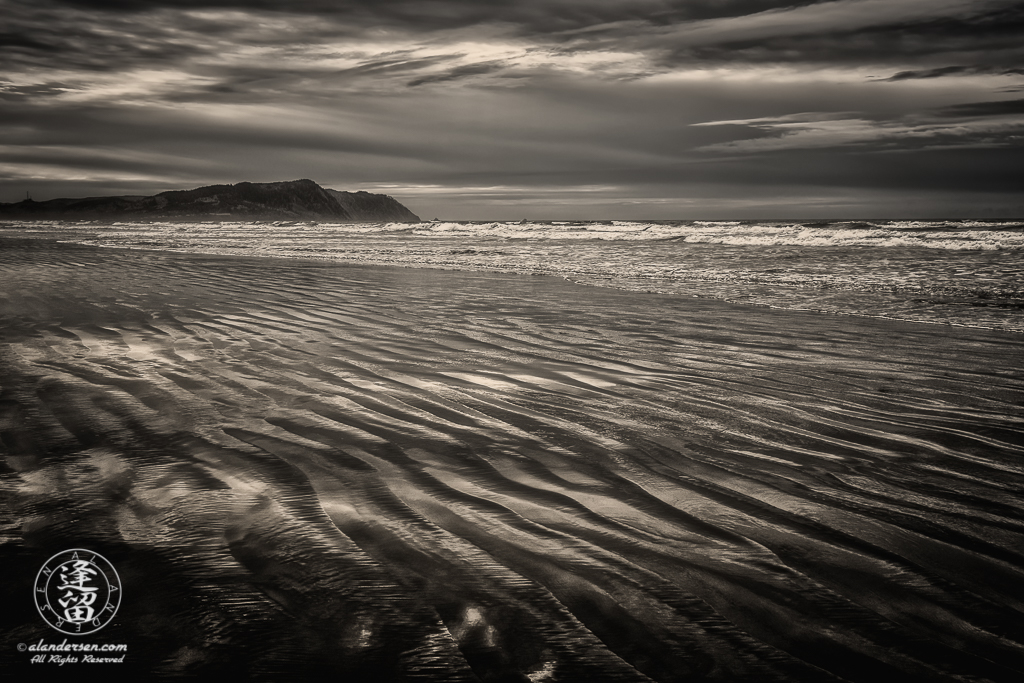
(963, 272)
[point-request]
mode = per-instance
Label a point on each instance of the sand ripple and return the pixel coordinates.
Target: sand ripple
(303, 469)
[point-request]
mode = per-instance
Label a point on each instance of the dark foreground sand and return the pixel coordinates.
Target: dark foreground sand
(306, 470)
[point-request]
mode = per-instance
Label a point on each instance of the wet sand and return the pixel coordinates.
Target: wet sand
(307, 470)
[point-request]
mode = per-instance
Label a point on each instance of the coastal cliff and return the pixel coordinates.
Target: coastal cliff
(291, 200)
(364, 206)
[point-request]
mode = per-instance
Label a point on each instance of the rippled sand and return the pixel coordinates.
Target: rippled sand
(312, 470)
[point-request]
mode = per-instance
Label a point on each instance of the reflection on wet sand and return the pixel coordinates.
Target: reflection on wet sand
(312, 470)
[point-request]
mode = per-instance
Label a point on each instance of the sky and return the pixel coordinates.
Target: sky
(527, 109)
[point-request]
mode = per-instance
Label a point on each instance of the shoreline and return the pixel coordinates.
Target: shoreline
(574, 277)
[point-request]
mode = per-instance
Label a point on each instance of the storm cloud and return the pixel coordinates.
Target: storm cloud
(561, 109)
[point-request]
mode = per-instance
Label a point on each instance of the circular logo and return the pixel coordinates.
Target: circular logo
(78, 591)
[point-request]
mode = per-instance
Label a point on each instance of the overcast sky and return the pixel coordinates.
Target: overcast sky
(508, 109)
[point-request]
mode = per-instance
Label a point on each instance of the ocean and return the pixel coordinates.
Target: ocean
(956, 272)
(595, 451)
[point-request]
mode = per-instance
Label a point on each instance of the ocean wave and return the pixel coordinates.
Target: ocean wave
(957, 235)
(954, 272)
(948, 235)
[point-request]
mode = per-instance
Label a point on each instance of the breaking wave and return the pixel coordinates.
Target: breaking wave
(950, 272)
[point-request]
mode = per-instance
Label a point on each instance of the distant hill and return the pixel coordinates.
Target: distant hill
(291, 200)
(373, 207)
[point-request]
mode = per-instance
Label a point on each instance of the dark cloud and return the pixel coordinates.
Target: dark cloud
(953, 71)
(460, 72)
(994, 39)
(396, 65)
(112, 34)
(35, 90)
(997, 108)
(127, 131)
(543, 16)
(577, 22)
(48, 38)
(540, 97)
(11, 39)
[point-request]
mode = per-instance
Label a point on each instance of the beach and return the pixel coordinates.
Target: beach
(948, 272)
(307, 469)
